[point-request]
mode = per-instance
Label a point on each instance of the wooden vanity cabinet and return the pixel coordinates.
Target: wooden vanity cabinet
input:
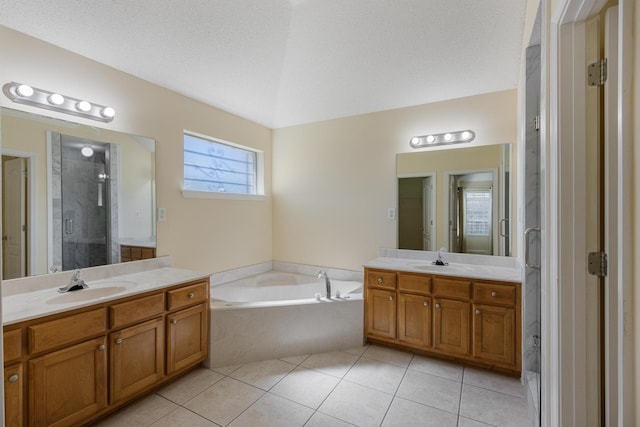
(68, 386)
(72, 368)
(136, 253)
(472, 321)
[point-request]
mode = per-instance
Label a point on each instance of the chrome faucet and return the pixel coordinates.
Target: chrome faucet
(440, 260)
(76, 283)
(323, 275)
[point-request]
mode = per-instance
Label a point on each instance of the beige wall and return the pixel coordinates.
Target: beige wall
(207, 235)
(333, 181)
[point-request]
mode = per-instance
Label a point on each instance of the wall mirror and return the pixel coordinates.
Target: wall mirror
(72, 194)
(460, 199)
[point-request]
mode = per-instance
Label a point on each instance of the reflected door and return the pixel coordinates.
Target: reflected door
(14, 219)
(85, 203)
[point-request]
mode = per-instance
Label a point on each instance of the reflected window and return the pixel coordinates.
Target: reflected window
(212, 165)
(477, 212)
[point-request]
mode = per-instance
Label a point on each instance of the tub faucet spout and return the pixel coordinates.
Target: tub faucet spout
(323, 275)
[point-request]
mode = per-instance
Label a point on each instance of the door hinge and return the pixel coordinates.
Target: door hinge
(536, 341)
(536, 122)
(597, 73)
(24, 227)
(598, 264)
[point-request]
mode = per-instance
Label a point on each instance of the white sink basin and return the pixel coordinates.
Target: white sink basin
(90, 293)
(430, 267)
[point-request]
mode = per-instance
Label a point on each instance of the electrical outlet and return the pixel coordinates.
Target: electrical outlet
(391, 213)
(162, 214)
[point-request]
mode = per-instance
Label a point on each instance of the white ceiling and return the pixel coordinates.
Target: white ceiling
(286, 62)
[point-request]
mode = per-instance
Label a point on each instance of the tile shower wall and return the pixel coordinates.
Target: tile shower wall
(88, 201)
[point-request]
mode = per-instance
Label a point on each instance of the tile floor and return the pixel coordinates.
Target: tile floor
(368, 386)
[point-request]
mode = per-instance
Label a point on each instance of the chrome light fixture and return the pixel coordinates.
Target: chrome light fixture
(446, 138)
(25, 94)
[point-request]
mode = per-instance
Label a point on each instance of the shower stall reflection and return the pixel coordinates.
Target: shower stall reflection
(84, 196)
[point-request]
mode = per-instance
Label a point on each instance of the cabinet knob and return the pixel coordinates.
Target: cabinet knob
(174, 321)
(426, 304)
(437, 305)
(379, 279)
(390, 298)
(477, 311)
(494, 294)
(101, 347)
(191, 295)
(13, 378)
(119, 341)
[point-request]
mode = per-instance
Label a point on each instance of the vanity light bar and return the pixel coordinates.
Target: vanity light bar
(25, 94)
(442, 138)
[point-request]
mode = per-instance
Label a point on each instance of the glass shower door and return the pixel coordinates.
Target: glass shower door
(84, 203)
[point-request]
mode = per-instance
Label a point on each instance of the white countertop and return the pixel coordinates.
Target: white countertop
(43, 302)
(475, 271)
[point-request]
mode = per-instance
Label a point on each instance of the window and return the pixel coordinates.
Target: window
(478, 212)
(213, 166)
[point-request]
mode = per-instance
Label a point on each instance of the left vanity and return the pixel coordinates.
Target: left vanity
(71, 358)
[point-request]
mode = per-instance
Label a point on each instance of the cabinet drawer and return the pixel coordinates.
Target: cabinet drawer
(414, 282)
(491, 293)
(452, 288)
(59, 332)
(381, 278)
(12, 344)
(187, 296)
(136, 310)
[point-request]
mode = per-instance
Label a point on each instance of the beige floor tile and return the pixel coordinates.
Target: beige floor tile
(358, 351)
(144, 412)
(431, 390)
(336, 363)
(226, 370)
(321, 420)
(190, 385)
(437, 367)
(224, 401)
(375, 374)
(388, 355)
(356, 404)
(181, 417)
(271, 410)
(263, 374)
(410, 414)
(494, 408)
(494, 381)
(468, 422)
(306, 387)
(295, 360)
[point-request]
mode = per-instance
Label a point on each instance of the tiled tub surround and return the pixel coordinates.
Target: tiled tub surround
(27, 298)
(286, 320)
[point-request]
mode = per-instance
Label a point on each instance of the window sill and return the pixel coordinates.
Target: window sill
(191, 194)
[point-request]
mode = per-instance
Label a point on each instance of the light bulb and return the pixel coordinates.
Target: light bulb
(108, 112)
(87, 151)
(24, 90)
(415, 141)
(431, 139)
(466, 135)
(56, 99)
(83, 106)
(447, 137)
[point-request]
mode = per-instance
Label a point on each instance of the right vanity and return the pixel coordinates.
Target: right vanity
(464, 312)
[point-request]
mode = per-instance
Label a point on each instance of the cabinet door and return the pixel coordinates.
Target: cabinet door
(137, 358)
(381, 313)
(68, 386)
(451, 324)
(187, 337)
(13, 395)
(414, 320)
(494, 335)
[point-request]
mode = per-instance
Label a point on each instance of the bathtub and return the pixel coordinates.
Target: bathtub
(277, 314)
